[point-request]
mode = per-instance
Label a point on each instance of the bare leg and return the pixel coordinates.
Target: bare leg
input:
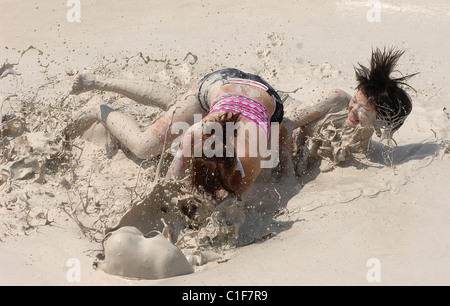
(144, 144)
(147, 93)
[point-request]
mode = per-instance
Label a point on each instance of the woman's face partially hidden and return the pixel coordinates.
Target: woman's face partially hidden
(360, 111)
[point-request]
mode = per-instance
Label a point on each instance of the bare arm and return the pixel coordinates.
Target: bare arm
(181, 156)
(300, 115)
(175, 167)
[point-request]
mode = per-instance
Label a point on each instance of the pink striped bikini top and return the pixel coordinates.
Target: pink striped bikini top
(249, 109)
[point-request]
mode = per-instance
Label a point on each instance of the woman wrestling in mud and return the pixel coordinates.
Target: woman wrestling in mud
(330, 129)
(228, 96)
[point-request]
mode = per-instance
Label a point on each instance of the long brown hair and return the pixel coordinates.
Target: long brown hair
(212, 174)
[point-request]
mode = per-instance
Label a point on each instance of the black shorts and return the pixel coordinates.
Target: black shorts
(223, 75)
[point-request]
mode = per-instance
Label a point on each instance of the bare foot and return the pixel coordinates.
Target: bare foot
(83, 83)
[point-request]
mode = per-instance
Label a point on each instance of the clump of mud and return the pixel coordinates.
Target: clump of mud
(195, 223)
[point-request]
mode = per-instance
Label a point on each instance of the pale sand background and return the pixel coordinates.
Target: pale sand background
(334, 224)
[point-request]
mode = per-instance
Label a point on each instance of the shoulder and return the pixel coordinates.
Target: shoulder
(337, 99)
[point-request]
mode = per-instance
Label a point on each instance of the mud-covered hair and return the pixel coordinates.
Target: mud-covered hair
(213, 174)
(391, 101)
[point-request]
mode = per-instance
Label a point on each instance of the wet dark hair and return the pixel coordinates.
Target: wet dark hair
(212, 174)
(391, 101)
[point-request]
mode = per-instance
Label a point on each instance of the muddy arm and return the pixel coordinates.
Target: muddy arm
(300, 116)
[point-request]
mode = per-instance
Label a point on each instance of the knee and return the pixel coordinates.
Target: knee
(147, 145)
(146, 149)
(142, 153)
